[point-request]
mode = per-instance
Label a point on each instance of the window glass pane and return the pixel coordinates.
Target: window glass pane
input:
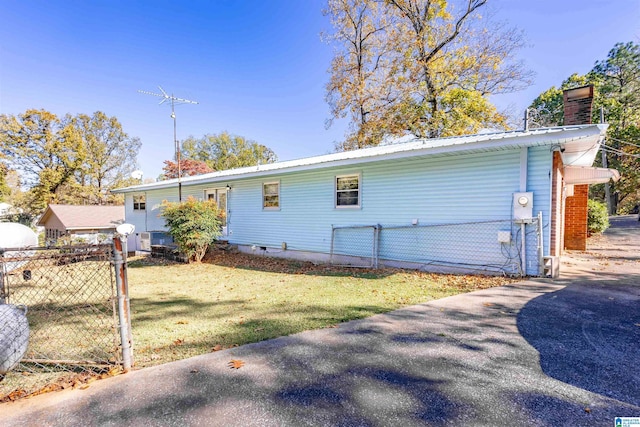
(270, 195)
(271, 189)
(271, 201)
(347, 198)
(347, 190)
(347, 183)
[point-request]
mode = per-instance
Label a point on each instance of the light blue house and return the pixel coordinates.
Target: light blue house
(479, 202)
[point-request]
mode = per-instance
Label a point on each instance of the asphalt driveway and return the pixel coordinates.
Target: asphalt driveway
(534, 353)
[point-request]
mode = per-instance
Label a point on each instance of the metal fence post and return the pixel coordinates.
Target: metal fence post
(124, 312)
(4, 288)
(376, 244)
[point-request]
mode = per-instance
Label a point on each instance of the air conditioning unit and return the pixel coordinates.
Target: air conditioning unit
(145, 241)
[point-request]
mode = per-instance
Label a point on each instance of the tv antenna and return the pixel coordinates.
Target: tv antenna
(173, 100)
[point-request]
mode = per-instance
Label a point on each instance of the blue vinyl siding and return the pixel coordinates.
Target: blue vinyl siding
(434, 190)
(539, 181)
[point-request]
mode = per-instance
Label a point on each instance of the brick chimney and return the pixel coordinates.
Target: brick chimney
(578, 104)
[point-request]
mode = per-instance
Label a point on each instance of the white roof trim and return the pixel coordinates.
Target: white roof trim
(589, 175)
(565, 137)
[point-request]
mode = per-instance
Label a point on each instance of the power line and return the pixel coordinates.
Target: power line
(623, 142)
(619, 152)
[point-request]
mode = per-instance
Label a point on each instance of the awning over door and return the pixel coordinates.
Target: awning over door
(589, 175)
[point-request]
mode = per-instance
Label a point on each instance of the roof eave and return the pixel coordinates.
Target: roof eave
(490, 142)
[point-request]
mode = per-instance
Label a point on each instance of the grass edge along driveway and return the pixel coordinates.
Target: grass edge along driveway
(231, 299)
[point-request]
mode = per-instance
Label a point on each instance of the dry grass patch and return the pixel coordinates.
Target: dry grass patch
(182, 310)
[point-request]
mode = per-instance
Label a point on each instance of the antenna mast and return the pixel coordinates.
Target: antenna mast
(174, 100)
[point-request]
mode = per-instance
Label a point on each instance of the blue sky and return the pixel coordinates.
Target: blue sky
(257, 68)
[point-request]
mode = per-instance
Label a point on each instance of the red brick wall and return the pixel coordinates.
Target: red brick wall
(577, 111)
(576, 219)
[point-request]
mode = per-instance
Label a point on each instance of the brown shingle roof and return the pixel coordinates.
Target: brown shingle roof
(81, 217)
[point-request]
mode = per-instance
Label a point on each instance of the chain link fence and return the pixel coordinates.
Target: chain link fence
(504, 247)
(59, 319)
(354, 246)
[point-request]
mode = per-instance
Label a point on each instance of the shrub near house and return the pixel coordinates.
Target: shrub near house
(193, 224)
(597, 217)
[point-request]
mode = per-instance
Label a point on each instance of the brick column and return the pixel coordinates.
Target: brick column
(576, 219)
(577, 111)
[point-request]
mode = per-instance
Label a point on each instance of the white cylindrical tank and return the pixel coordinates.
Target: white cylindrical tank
(14, 235)
(14, 335)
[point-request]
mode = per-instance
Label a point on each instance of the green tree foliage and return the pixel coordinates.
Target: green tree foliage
(226, 151)
(418, 67)
(194, 225)
(597, 217)
(5, 190)
(616, 83)
(70, 160)
(618, 78)
(110, 157)
(45, 150)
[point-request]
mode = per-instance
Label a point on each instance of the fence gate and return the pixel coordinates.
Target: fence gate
(354, 246)
(71, 301)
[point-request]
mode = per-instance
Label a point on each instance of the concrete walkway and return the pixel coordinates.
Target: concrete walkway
(536, 353)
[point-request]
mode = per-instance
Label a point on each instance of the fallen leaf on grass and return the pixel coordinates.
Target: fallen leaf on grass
(179, 341)
(216, 347)
(182, 322)
(14, 395)
(236, 364)
(111, 373)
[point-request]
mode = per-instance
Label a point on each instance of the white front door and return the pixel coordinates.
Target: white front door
(219, 195)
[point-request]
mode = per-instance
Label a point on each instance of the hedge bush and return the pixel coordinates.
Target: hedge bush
(194, 225)
(597, 217)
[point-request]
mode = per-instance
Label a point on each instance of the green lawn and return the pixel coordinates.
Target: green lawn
(181, 310)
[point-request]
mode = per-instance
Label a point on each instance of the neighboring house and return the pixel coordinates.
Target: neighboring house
(88, 224)
(294, 208)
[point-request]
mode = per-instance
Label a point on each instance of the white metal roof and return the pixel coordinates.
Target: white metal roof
(573, 139)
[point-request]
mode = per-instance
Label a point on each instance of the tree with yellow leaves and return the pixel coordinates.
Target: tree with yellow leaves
(420, 67)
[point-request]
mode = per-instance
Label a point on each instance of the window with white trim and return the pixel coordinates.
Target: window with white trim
(139, 202)
(348, 191)
(271, 195)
